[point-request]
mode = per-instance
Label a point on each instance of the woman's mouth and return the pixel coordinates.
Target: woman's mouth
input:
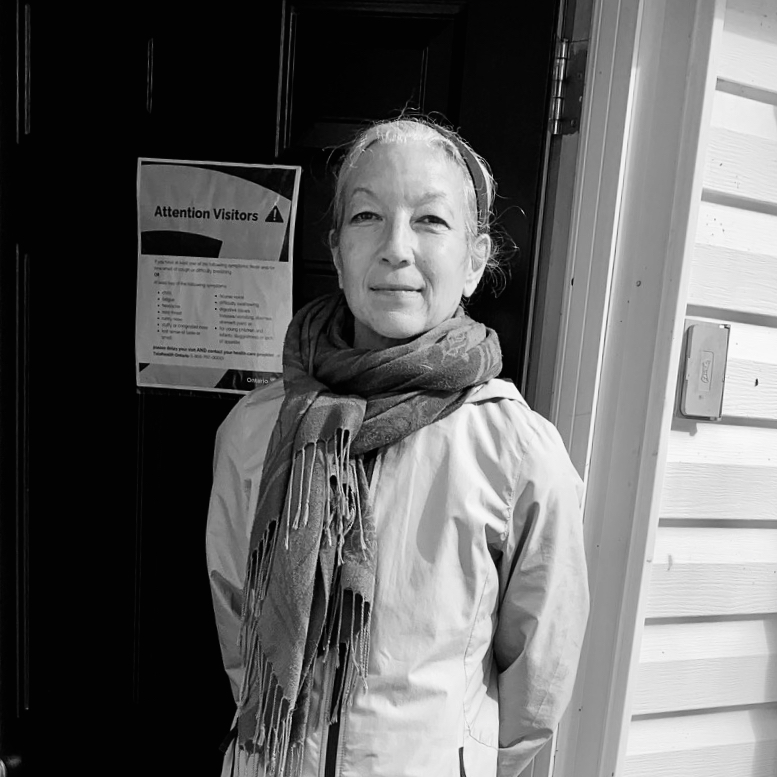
(395, 288)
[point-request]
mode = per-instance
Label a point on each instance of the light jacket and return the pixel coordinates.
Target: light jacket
(481, 594)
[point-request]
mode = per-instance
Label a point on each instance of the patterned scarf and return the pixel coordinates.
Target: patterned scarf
(311, 567)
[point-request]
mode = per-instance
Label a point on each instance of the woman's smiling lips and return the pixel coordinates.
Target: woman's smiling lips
(395, 289)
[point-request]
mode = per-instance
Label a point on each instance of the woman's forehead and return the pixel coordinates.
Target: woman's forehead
(415, 165)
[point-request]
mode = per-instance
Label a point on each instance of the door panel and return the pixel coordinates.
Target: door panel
(13, 406)
(124, 662)
(344, 65)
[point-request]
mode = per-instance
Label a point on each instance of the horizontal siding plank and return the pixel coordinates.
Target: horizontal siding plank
(690, 666)
(711, 682)
(723, 727)
(750, 390)
(690, 545)
(753, 343)
(721, 443)
(740, 760)
(751, 373)
(749, 46)
(734, 280)
(712, 589)
(687, 641)
(719, 491)
(710, 571)
(741, 165)
(740, 230)
(741, 114)
(720, 744)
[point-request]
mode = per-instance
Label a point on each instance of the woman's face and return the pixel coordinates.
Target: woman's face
(402, 254)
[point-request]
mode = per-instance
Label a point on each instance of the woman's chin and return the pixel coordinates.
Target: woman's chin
(387, 334)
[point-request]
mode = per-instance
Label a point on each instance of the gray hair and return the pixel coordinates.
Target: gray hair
(404, 130)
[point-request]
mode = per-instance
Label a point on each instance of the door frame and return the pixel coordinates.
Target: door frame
(628, 242)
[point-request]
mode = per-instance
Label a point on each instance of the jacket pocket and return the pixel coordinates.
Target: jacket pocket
(477, 759)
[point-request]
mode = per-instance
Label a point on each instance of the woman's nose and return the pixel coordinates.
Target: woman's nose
(399, 243)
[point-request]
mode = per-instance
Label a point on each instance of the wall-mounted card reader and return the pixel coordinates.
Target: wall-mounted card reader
(706, 348)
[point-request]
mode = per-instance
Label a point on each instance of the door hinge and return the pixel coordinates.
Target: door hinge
(566, 98)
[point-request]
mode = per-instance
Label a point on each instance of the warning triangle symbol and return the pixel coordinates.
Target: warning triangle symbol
(274, 215)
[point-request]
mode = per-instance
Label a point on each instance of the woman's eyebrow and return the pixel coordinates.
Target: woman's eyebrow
(362, 190)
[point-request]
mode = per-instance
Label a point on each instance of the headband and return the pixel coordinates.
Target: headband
(475, 172)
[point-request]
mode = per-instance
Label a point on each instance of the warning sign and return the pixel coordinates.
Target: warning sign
(215, 242)
(275, 216)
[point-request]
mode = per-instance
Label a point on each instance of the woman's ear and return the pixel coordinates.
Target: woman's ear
(478, 258)
(336, 258)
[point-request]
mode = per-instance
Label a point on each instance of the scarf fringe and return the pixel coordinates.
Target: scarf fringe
(270, 743)
(355, 639)
(343, 504)
(271, 738)
(343, 507)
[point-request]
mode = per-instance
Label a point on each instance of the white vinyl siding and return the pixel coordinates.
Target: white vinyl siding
(719, 744)
(705, 693)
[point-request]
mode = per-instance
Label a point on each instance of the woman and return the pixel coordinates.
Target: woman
(394, 537)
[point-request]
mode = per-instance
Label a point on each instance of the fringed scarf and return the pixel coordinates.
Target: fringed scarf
(310, 575)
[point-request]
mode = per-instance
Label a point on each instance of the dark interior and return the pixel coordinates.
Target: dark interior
(109, 655)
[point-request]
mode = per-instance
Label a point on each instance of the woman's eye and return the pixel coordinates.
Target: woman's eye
(434, 220)
(364, 215)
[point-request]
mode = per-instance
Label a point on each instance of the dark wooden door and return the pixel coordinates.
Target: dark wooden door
(114, 661)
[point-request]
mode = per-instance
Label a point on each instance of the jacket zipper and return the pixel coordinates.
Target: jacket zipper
(333, 733)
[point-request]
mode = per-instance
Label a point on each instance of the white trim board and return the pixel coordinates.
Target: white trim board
(633, 226)
(596, 202)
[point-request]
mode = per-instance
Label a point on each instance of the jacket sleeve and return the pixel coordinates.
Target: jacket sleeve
(544, 601)
(226, 543)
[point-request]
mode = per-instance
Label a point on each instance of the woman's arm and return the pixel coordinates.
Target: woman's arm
(241, 444)
(544, 601)
(226, 544)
